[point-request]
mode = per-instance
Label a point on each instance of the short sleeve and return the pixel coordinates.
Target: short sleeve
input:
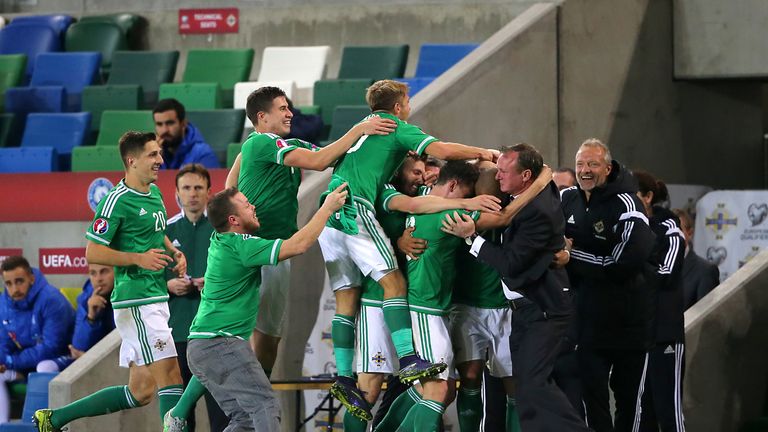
(256, 251)
(106, 221)
(413, 138)
(300, 143)
(385, 196)
(266, 148)
(475, 215)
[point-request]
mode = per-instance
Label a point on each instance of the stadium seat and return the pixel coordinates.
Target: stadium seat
(101, 36)
(375, 62)
(115, 123)
(309, 109)
(233, 149)
(331, 93)
(302, 64)
(62, 131)
(12, 68)
(244, 89)
(9, 130)
(36, 398)
(148, 69)
(24, 100)
(73, 71)
(133, 27)
(71, 293)
(344, 117)
(30, 40)
(97, 99)
(97, 158)
(200, 96)
(58, 23)
(223, 66)
(219, 128)
(28, 159)
(434, 59)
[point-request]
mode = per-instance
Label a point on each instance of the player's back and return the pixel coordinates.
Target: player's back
(370, 163)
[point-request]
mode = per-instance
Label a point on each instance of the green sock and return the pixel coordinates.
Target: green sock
(194, 391)
(513, 419)
(168, 397)
(469, 403)
(398, 320)
(424, 416)
(354, 424)
(343, 336)
(399, 410)
(104, 401)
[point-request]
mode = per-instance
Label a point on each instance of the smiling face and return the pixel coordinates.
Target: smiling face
(411, 176)
(592, 168)
(277, 119)
(244, 214)
(146, 164)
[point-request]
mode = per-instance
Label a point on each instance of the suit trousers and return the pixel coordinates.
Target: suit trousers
(535, 345)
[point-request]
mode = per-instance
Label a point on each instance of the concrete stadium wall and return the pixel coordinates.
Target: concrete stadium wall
(726, 366)
(715, 39)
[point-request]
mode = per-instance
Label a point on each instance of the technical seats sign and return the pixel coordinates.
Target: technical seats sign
(204, 21)
(63, 261)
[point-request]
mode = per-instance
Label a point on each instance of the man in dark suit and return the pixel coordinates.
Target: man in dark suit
(541, 310)
(699, 275)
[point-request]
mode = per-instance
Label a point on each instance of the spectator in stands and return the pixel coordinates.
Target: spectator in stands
(564, 178)
(94, 318)
(36, 322)
(699, 275)
(181, 141)
(190, 231)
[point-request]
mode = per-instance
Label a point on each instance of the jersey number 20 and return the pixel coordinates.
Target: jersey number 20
(159, 221)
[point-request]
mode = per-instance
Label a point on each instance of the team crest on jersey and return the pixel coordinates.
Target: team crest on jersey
(98, 189)
(100, 226)
(160, 345)
(280, 143)
(599, 227)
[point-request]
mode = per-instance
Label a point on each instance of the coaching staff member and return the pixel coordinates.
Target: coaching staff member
(540, 319)
(611, 246)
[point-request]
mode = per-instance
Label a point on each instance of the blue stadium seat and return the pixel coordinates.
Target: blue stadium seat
(62, 131)
(59, 23)
(434, 59)
(74, 71)
(28, 159)
(24, 100)
(30, 39)
(36, 398)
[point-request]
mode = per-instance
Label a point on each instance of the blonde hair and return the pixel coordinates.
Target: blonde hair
(384, 94)
(596, 143)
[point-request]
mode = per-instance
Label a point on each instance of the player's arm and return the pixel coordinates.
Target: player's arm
(456, 151)
(323, 158)
(434, 204)
(308, 234)
(233, 174)
(502, 219)
(153, 259)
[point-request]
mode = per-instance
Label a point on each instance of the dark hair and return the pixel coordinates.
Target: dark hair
(260, 100)
(685, 218)
(528, 158)
(14, 262)
(434, 162)
(646, 182)
(566, 170)
(463, 172)
(397, 179)
(133, 142)
(169, 104)
(194, 168)
(220, 207)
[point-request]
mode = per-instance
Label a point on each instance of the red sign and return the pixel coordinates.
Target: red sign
(63, 261)
(64, 196)
(5, 253)
(203, 21)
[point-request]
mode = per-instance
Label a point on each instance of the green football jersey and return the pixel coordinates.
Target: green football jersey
(370, 163)
(131, 221)
(269, 185)
(430, 278)
(477, 284)
(230, 299)
(393, 224)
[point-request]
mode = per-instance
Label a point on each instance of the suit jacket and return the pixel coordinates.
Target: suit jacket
(527, 249)
(699, 278)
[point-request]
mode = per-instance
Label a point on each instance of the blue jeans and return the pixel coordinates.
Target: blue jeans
(228, 368)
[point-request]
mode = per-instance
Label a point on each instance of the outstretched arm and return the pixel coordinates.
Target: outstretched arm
(456, 151)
